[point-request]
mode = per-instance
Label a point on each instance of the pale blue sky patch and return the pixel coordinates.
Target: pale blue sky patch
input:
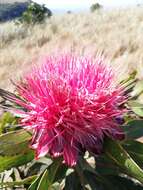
(85, 4)
(114, 3)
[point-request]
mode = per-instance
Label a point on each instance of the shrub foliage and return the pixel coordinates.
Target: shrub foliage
(35, 14)
(95, 7)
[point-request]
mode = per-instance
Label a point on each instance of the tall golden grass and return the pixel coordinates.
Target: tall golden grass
(118, 34)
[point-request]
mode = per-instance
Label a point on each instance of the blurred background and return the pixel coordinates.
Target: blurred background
(30, 30)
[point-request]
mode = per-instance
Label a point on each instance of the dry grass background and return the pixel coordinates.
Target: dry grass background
(117, 33)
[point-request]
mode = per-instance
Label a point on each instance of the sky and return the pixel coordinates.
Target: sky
(85, 4)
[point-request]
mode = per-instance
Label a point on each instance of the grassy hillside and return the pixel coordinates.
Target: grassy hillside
(117, 33)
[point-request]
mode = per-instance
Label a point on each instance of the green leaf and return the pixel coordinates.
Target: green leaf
(73, 182)
(116, 183)
(135, 149)
(91, 182)
(7, 162)
(35, 183)
(134, 129)
(52, 171)
(61, 173)
(117, 154)
(6, 120)
(136, 107)
(14, 143)
(138, 89)
(47, 177)
(85, 171)
(129, 83)
(14, 149)
(123, 183)
(44, 183)
(105, 166)
(130, 79)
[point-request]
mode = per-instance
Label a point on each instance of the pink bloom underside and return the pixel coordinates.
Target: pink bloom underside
(71, 104)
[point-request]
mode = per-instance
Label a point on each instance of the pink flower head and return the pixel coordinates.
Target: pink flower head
(71, 103)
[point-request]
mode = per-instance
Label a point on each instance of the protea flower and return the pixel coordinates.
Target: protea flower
(70, 104)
